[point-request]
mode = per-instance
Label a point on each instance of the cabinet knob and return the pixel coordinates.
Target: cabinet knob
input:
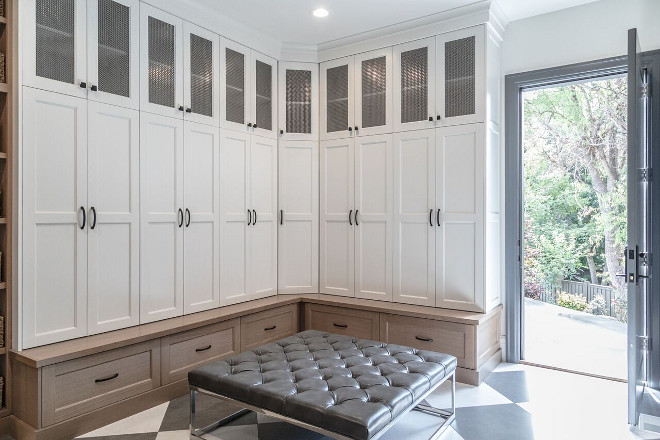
(357, 128)
(249, 124)
(281, 132)
(430, 118)
(94, 88)
(188, 110)
(350, 129)
(83, 85)
(438, 117)
(254, 126)
(180, 108)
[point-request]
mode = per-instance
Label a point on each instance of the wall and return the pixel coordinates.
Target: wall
(583, 33)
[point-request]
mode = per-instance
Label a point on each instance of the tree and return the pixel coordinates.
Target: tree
(575, 150)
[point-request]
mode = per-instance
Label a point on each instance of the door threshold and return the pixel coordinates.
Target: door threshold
(566, 370)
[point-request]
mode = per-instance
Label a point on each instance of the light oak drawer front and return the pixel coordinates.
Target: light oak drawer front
(271, 325)
(428, 334)
(185, 351)
(342, 321)
(82, 385)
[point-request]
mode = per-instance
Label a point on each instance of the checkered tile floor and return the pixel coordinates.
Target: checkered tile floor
(515, 403)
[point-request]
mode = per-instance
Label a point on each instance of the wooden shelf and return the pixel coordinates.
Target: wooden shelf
(3, 155)
(4, 88)
(3, 221)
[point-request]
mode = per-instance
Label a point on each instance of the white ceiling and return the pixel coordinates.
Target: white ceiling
(290, 21)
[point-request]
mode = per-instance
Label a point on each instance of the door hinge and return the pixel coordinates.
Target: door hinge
(646, 174)
(644, 343)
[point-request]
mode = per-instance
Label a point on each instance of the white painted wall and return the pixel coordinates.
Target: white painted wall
(583, 33)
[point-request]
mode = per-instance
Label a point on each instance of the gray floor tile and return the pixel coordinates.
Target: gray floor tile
(494, 422)
(511, 384)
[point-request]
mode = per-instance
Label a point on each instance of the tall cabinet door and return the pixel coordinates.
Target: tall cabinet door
(234, 80)
(373, 92)
(201, 63)
(337, 259)
(234, 191)
(460, 155)
(373, 217)
(161, 218)
(113, 52)
(337, 91)
(54, 38)
(114, 246)
(461, 84)
(161, 63)
(414, 85)
(298, 97)
(55, 217)
(262, 233)
(263, 84)
(415, 217)
(298, 236)
(201, 246)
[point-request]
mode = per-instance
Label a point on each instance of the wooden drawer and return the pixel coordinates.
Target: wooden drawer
(185, 351)
(427, 334)
(82, 385)
(271, 325)
(343, 321)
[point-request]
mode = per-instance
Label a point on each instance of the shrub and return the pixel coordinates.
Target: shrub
(621, 308)
(597, 306)
(574, 302)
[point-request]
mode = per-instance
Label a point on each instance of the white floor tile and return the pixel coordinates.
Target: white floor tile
(146, 421)
(466, 395)
(173, 435)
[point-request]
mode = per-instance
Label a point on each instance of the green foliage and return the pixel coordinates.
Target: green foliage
(597, 306)
(621, 308)
(570, 301)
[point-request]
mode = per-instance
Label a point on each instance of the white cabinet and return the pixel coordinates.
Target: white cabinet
(161, 217)
(414, 217)
(201, 237)
(55, 217)
(373, 92)
(298, 231)
(113, 218)
(337, 103)
(201, 70)
(54, 45)
(298, 101)
(113, 48)
(248, 204)
(414, 85)
(249, 81)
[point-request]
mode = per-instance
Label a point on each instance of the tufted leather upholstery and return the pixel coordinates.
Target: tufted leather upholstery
(350, 386)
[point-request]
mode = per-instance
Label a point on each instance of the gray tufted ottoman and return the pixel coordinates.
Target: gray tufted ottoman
(339, 386)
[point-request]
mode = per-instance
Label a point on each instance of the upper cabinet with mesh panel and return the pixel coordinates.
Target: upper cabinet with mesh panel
(54, 45)
(373, 92)
(337, 103)
(201, 64)
(298, 99)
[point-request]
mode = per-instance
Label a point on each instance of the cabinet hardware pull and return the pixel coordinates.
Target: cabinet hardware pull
(83, 85)
(249, 217)
(350, 217)
(267, 329)
(430, 118)
(431, 217)
(82, 208)
(254, 126)
(188, 217)
(281, 132)
(350, 129)
(198, 350)
(255, 217)
(180, 217)
(356, 217)
(180, 108)
(281, 216)
(419, 338)
(188, 110)
(438, 117)
(437, 218)
(93, 210)
(95, 89)
(340, 325)
(250, 124)
(105, 379)
(356, 129)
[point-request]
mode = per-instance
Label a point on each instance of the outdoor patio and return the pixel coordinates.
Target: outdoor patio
(565, 338)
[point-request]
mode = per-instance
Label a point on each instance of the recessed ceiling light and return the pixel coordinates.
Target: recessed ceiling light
(320, 12)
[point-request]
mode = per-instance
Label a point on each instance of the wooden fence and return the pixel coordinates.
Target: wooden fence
(587, 290)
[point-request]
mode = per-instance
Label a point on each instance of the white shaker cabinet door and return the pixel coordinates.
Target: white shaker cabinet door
(415, 217)
(201, 240)
(161, 218)
(298, 236)
(55, 217)
(337, 259)
(113, 234)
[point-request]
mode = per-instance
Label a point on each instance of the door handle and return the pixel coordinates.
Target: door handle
(281, 216)
(188, 216)
(431, 217)
(437, 218)
(340, 325)
(255, 217)
(82, 208)
(267, 329)
(105, 379)
(249, 217)
(93, 210)
(180, 217)
(419, 338)
(199, 350)
(350, 217)
(356, 217)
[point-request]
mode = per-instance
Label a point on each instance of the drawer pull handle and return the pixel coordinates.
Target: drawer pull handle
(270, 328)
(202, 349)
(340, 325)
(105, 379)
(419, 338)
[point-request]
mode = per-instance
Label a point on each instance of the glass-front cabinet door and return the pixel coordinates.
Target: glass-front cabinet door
(373, 92)
(201, 50)
(234, 77)
(298, 83)
(54, 44)
(414, 85)
(337, 108)
(113, 52)
(263, 85)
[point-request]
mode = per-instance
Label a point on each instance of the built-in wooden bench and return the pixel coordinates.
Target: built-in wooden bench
(69, 388)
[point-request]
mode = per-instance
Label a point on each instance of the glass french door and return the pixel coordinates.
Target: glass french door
(637, 260)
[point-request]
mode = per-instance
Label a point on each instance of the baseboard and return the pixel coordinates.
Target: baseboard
(476, 377)
(88, 422)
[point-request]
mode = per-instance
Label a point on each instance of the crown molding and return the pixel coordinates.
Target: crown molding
(498, 19)
(308, 53)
